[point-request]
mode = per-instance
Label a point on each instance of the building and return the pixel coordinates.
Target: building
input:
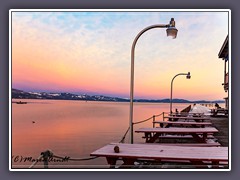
(223, 54)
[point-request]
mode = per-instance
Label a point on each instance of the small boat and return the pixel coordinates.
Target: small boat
(20, 102)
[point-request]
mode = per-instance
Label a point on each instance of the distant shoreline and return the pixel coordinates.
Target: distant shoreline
(19, 94)
(135, 101)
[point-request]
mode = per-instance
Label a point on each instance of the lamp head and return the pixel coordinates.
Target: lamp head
(171, 30)
(188, 75)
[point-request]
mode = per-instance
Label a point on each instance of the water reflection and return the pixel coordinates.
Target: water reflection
(74, 128)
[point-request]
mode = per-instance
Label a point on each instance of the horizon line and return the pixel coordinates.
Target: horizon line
(115, 96)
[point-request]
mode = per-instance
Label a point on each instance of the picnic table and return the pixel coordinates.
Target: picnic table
(216, 112)
(129, 153)
(185, 114)
(197, 119)
(182, 123)
(199, 134)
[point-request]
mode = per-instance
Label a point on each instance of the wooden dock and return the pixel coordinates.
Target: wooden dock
(222, 124)
(180, 153)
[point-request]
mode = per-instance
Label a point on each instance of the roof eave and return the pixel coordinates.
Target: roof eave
(222, 52)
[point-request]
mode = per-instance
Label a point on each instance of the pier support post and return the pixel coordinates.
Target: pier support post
(153, 121)
(46, 155)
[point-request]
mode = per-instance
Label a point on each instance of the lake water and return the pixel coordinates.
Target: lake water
(74, 128)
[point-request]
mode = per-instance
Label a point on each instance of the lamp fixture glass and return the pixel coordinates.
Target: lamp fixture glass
(172, 30)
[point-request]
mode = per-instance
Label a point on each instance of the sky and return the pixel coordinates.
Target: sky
(90, 52)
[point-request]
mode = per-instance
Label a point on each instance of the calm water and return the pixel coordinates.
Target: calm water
(74, 128)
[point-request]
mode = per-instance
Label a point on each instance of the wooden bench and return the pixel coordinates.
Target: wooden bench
(215, 144)
(187, 118)
(185, 114)
(182, 124)
(199, 134)
(168, 138)
(203, 164)
(215, 112)
(129, 153)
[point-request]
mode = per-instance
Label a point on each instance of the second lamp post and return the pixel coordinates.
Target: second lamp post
(188, 76)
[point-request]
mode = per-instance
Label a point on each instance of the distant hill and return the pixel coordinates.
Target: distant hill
(19, 94)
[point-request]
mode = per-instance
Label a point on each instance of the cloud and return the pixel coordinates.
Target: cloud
(97, 46)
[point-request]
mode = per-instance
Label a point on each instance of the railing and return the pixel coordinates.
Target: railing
(142, 121)
(48, 155)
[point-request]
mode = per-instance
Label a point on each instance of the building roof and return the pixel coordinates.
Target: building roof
(223, 53)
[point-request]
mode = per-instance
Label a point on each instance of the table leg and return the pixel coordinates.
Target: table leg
(204, 138)
(199, 164)
(215, 164)
(198, 138)
(148, 137)
(167, 126)
(161, 125)
(154, 138)
(111, 161)
(128, 162)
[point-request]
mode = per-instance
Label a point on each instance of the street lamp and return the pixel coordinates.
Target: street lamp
(171, 31)
(188, 76)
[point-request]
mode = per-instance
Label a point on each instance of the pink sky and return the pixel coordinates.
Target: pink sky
(90, 53)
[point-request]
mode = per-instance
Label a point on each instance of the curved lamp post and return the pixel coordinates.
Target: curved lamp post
(171, 31)
(188, 76)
